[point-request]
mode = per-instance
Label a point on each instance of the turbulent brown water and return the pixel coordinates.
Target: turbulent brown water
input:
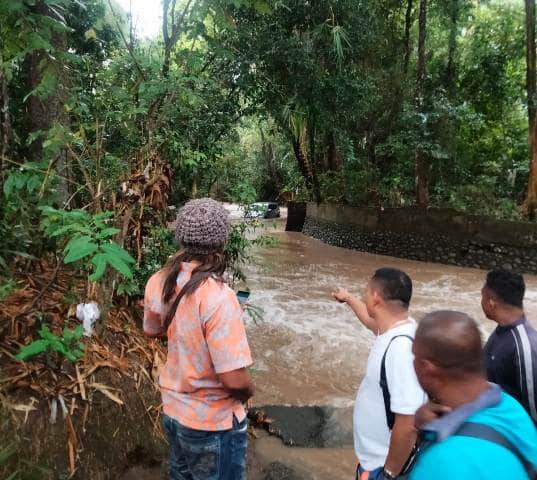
(311, 350)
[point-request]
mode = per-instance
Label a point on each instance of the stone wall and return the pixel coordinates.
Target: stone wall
(443, 236)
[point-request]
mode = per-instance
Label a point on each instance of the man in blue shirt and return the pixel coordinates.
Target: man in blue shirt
(511, 350)
(486, 434)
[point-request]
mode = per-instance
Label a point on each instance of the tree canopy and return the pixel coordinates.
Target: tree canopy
(364, 102)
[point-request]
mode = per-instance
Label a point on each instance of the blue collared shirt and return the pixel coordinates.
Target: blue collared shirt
(453, 457)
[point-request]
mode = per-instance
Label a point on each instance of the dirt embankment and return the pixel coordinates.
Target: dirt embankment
(100, 418)
(93, 419)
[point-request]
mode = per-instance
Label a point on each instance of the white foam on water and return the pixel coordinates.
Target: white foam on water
(317, 336)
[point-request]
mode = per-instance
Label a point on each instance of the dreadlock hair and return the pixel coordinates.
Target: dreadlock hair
(210, 265)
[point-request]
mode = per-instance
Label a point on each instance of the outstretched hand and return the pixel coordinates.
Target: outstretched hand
(341, 295)
(429, 412)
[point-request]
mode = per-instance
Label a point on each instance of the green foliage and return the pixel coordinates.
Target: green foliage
(6, 287)
(242, 238)
(263, 101)
(18, 210)
(331, 184)
(158, 246)
(482, 198)
(7, 452)
(26, 180)
(89, 240)
(244, 194)
(15, 467)
(334, 78)
(68, 345)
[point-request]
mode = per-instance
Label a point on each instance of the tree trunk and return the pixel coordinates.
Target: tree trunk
(422, 162)
(531, 86)
(408, 26)
(302, 162)
(333, 160)
(166, 36)
(451, 84)
(43, 113)
(5, 127)
(313, 163)
(172, 32)
(268, 152)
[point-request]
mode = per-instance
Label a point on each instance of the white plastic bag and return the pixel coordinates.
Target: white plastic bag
(88, 314)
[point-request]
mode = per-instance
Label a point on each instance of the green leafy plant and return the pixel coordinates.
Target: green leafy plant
(6, 287)
(6, 454)
(256, 313)
(158, 246)
(242, 238)
(68, 345)
(89, 240)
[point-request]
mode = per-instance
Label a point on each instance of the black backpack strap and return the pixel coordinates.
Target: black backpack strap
(390, 416)
(484, 432)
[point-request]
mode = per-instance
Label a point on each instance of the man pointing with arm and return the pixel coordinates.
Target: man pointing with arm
(384, 431)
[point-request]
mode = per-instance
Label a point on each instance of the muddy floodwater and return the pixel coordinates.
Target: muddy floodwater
(310, 350)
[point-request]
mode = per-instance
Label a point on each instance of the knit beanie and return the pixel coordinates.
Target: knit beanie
(202, 226)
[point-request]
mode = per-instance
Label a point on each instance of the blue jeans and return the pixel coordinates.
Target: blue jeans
(203, 455)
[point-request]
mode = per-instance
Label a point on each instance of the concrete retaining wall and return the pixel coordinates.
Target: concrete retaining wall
(435, 235)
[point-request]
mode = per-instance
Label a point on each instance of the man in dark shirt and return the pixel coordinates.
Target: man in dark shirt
(511, 350)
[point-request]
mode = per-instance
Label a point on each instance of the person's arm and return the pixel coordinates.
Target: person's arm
(357, 306)
(429, 412)
(518, 384)
(161, 334)
(228, 346)
(153, 309)
(238, 383)
(401, 442)
(406, 396)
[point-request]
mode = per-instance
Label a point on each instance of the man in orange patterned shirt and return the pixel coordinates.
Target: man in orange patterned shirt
(204, 383)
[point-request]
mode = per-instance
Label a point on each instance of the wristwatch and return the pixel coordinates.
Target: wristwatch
(388, 475)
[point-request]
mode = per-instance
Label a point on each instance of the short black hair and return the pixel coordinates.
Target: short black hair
(508, 287)
(394, 284)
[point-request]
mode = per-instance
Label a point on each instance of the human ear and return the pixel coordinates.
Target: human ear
(376, 297)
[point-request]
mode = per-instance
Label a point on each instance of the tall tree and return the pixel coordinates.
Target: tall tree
(408, 26)
(531, 87)
(48, 82)
(452, 47)
(422, 161)
(5, 124)
(172, 27)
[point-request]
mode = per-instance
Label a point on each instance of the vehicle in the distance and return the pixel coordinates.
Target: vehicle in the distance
(262, 210)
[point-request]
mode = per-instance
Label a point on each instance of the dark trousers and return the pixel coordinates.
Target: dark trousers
(203, 455)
